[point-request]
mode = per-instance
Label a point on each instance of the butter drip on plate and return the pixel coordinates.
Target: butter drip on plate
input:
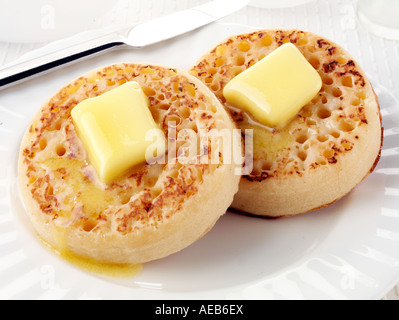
(108, 269)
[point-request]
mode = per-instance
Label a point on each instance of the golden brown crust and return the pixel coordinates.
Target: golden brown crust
(68, 205)
(339, 128)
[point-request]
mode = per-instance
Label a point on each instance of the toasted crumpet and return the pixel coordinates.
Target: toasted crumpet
(150, 212)
(326, 150)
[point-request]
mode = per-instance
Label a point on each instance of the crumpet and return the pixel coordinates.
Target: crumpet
(326, 150)
(150, 212)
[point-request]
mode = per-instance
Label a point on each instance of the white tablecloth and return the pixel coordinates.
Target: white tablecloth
(334, 19)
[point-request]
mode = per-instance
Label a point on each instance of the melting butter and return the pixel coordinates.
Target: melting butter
(113, 270)
(77, 188)
(268, 144)
(276, 88)
(117, 129)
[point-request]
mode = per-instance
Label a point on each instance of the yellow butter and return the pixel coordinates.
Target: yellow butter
(276, 88)
(113, 128)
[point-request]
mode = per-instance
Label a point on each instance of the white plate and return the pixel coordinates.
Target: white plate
(346, 251)
(277, 4)
(49, 20)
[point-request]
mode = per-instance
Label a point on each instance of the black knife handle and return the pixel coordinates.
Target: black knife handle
(50, 62)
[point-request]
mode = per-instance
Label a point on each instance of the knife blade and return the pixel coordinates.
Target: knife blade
(150, 32)
(139, 36)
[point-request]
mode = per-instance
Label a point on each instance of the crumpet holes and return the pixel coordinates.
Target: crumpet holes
(151, 182)
(346, 126)
(315, 62)
(220, 62)
(60, 150)
(209, 80)
(342, 60)
(240, 61)
(311, 122)
(347, 146)
(58, 125)
(125, 199)
(214, 108)
(322, 162)
(173, 120)
(355, 102)
(32, 180)
(328, 80)
(302, 42)
(307, 112)
(174, 174)
(328, 154)
(50, 190)
(302, 139)
(267, 41)
(244, 46)
(361, 95)
(156, 192)
(221, 50)
(89, 225)
(190, 88)
(337, 92)
(191, 125)
(311, 49)
(215, 87)
(121, 82)
(302, 155)
(322, 138)
(324, 113)
(212, 71)
(347, 81)
(111, 83)
(149, 92)
(43, 144)
(316, 99)
(184, 112)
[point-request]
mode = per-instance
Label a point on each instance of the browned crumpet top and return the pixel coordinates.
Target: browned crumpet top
(329, 124)
(61, 181)
(332, 144)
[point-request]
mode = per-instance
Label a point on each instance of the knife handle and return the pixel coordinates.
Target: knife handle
(39, 65)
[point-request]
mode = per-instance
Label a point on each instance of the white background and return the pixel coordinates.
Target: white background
(26, 25)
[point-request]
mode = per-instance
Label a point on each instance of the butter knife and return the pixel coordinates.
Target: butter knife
(139, 36)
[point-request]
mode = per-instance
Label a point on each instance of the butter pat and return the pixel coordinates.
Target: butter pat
(113, 129)
(276, 88)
